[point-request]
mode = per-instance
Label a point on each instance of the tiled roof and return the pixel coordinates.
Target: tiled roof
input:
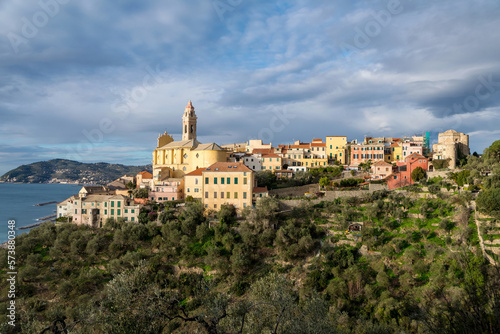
(191, 143)
(271, 156)
(382, 163)
(208, 147)
(262, 151)
(196, 172)
(227, 167)
(146, 175)
(318, 144)
(416, 156)
(260, 190)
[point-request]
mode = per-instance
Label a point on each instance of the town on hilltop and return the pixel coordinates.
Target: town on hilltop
(239, 174)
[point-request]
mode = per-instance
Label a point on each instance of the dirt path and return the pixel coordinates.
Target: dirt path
(481, 241)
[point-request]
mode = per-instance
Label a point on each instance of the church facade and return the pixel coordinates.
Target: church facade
(174, 159)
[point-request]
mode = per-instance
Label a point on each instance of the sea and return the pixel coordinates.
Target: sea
(17, 202)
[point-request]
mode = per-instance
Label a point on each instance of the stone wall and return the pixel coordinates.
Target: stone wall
(376, 187)
(442, 173)
(295, 191)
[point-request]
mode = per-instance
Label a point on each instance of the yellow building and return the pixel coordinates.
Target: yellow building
(272, 162)
(314, 162)
(174, 159)
(192, 184)
(336, 148)
(227, 183)
(93, 210)
(396, 152)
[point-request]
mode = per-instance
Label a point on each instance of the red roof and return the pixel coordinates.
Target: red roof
(260, 190)
(318, 144)
(262, 151)
(146, 175)
(415, 156)
(196, 172)
(227, 167)
(271, 156)
(382, 163)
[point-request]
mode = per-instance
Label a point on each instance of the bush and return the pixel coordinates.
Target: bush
(434, 189)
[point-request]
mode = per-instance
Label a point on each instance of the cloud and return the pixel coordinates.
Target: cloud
(112, 76)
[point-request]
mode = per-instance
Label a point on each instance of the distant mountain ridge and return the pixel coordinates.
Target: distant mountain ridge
(61, 170)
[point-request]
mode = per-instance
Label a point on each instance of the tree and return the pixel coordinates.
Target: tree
(488, 201)
(324, 182)
(418, 174)
(494, 151)
(265, 179)
(227, 214)
(141, 193)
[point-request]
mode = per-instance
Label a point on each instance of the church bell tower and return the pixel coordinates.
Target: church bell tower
(189, 123)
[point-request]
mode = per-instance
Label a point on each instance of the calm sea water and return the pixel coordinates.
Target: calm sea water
(17, 202)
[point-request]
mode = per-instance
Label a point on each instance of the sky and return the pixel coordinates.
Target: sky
(100, 80)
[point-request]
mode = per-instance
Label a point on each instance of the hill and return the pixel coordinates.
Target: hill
(70, 171)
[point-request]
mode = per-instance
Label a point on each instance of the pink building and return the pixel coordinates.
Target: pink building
(412, 148)
(168, 190)
(402, 177)
(363, 152)
(381, 170)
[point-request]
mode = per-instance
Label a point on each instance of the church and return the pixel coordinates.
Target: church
(174, 159)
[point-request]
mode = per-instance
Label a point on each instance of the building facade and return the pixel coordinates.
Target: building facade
(451, 146)
(227, 183)
(174, 159)
(336, 149)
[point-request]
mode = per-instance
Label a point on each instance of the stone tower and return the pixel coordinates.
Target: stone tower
(189, 123)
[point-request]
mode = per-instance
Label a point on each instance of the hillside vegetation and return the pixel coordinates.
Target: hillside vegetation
(416, 266)
(71, 171)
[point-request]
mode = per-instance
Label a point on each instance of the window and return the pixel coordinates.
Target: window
(235, 180)
(105, 211)
(215, 194)
(222, 180)
(215, 180)
(118, 212)
(132, 219)
(228, 195)
(206, 180)
(112, 204)
(188, 190)
(119, 204)
(221, 194)
(206, 194)
(76, 211)
(112, 212)
(228, 180)
(215, 206)
(132, 211)
(244, 195)
(196, 181)
(126, 218)
(126, 210)
(331, 146)
(244, 205)
(235, 195)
